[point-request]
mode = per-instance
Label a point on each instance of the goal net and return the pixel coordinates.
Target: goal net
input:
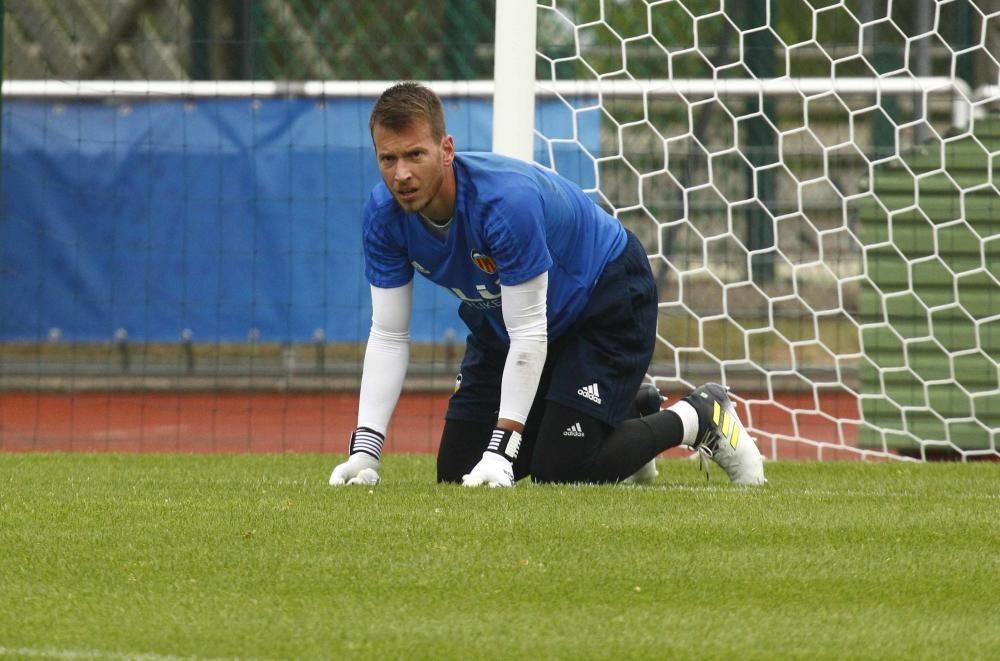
(815, 182)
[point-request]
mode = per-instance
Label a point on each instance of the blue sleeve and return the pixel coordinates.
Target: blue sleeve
(516, 234)
(386, 263)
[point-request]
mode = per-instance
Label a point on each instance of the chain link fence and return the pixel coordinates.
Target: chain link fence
(248, 39)
(453, 39)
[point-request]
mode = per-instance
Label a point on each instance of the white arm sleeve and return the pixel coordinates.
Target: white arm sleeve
(525, 315)
(386, 356)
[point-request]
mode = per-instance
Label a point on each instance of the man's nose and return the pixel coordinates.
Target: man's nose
(402, 172)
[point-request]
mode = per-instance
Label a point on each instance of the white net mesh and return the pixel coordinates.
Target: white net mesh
(816, 184)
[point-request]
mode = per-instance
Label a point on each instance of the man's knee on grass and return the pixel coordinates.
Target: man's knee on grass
(574, 447)
(567, 448)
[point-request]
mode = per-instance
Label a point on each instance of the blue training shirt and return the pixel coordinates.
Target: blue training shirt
(513, 221)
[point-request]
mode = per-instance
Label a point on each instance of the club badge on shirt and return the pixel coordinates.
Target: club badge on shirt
(484, 262)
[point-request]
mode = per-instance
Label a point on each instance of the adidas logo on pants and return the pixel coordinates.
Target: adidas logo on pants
(590, 392)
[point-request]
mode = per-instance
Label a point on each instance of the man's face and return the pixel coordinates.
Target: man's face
(414, 166)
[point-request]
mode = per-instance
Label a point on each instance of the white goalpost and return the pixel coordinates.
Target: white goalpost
(514, 77)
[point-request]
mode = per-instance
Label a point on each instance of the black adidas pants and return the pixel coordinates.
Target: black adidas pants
(580, 428)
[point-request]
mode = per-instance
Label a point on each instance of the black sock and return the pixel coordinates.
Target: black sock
(667, 429)
(635, 442)
(573, 447)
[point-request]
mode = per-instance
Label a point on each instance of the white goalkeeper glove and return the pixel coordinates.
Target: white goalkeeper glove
(496, 468)
(363, 464)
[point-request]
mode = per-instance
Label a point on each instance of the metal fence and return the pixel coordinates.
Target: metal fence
(453, 39)
(248, 39)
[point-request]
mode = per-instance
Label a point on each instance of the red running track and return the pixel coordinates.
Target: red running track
(196, 422)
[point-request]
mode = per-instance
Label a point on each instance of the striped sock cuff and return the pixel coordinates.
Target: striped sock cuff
(368, 441)
(505, 442)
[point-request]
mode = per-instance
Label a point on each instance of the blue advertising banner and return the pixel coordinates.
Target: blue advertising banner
(220, 216)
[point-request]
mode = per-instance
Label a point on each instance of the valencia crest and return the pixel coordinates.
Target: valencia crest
(484, 262)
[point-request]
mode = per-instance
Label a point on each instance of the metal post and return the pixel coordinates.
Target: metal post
(881, 55)
(965, 67)
(514, 76)
(3, 66)
(187, 345)
(319, 346)
(258, 23)
(121, 343)
(237, 10)
(201, 35)
(761, 147)
(923, 66)
(247, 21)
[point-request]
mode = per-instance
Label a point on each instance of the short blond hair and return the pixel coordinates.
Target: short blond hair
(403, 103)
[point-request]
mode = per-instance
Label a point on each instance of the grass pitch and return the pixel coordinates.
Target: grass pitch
(254, 556)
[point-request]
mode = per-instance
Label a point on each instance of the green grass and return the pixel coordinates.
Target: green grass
(125, 556)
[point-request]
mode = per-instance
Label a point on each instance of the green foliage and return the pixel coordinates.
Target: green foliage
(122, 556)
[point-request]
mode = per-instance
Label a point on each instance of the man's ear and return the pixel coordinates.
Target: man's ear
(448, 149)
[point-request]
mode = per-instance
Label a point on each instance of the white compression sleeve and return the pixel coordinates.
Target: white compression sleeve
(525, 315)
(386, 356)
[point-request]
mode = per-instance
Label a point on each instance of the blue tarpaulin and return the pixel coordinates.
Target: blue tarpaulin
(215, 215)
